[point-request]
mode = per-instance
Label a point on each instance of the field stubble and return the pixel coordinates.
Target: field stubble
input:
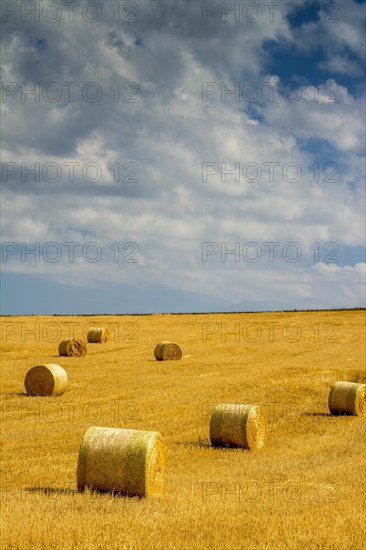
(304, 489)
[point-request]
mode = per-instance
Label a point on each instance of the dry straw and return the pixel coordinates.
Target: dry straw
(49, 379)
(167, 351)
(130, 462)
(237, 425)
(98, 335)
(347, 398)
(73, 347)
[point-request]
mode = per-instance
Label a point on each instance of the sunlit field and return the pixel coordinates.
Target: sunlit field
(304, 490)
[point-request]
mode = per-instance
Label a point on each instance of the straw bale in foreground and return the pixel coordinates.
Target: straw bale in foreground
(130, 462)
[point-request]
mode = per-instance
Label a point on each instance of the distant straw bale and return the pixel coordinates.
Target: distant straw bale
(167, 351)
(98, 335)
(347, 398)
(237, 425)
(73, 347)
(130, 462)
(49, 379)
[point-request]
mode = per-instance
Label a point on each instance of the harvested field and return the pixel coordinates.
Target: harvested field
(303, 489)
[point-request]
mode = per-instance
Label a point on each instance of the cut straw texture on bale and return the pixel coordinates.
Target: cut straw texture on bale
(130, 462)
(167, 351)
(73, 347)
(237, 425)
(98, 335)
(49, 379)
(347, 398)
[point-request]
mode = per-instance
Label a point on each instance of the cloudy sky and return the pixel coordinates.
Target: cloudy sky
(173, 157)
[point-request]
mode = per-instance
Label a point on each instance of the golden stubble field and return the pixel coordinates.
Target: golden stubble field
(305, 489)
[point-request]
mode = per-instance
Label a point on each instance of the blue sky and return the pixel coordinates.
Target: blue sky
(143, 174)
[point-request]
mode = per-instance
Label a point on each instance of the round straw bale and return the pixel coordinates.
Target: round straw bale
(130, 462)
(49, 379)
(73, 347)
(98, 335)
(347, 398)
(238, 425)
(167, 351)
